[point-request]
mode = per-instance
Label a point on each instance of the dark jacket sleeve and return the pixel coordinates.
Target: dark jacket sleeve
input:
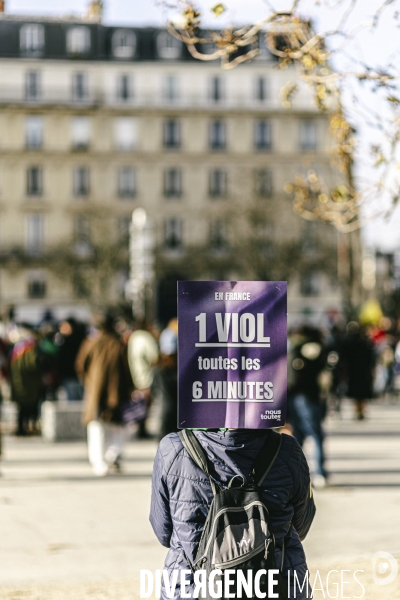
(302, 496)
(160, 515)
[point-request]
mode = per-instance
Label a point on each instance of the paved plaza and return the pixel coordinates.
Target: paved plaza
(66, 534)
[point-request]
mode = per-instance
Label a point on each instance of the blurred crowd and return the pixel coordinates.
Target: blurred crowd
(117, 366)
(354, 360)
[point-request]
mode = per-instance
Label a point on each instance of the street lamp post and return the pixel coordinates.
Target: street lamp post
(141, 246)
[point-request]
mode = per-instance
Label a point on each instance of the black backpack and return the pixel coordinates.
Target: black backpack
(237, 533)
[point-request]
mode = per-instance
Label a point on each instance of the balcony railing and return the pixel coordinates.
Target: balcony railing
(98, 97)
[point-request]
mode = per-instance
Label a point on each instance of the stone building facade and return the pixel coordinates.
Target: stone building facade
(96, 121)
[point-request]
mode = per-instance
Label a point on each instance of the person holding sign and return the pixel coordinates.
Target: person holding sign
(182, 495)
(232, 499)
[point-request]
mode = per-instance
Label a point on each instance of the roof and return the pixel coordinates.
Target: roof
(45, 19)
(146, 42)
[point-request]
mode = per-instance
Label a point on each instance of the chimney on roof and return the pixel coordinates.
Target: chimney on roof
(95, 11)
(2, 6)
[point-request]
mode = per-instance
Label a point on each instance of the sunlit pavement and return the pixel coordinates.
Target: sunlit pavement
(67, 534)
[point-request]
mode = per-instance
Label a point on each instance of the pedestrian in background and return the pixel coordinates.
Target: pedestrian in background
(168, 378)
(4, 376)
(143, 358)
(26, 379)
(48, 353)
(359, 358)
(306, 409)
(103, 366)
(69, 339)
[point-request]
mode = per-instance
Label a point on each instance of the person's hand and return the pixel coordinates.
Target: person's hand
(146, 393)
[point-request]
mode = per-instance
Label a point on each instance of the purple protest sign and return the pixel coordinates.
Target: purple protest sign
(232, 354)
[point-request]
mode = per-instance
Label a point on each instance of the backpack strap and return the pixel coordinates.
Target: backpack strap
(266, 457)
(196, 453)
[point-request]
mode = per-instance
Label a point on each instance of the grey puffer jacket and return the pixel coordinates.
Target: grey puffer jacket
(181, 495)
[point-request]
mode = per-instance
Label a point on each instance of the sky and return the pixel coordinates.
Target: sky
(116, 11)
(375, 47)
(140, 12)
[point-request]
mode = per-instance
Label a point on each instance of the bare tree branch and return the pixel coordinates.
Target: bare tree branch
(292, 40)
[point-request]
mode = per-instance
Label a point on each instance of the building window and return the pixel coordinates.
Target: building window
(79, 86)
(125, 131)
(31, 38)
(34, 233)
(261, 89)
(124, 88)
(80, 132)
(209, 48)
(32, 85)
(81, 181)
(123, 281)
(263, 135)
(264, 183)
(309, 241)
(218, 236)
(123, 43)
(126, 182)
(308, 134)
(172, 133)
(217, 135)
(82, 282)
(217, 183)
(310, 283)
(172, 183)
(171, 88)
(34, 181)
(34, 132)
(168, 46)
(216, 89)
(264, 53)
(36, 285)
(264, 235)
(82, 228)
(173, 233)
(124, 227)
(82, 235)
(78, 40)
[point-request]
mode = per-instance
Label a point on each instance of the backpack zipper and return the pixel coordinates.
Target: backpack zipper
(267, 543)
